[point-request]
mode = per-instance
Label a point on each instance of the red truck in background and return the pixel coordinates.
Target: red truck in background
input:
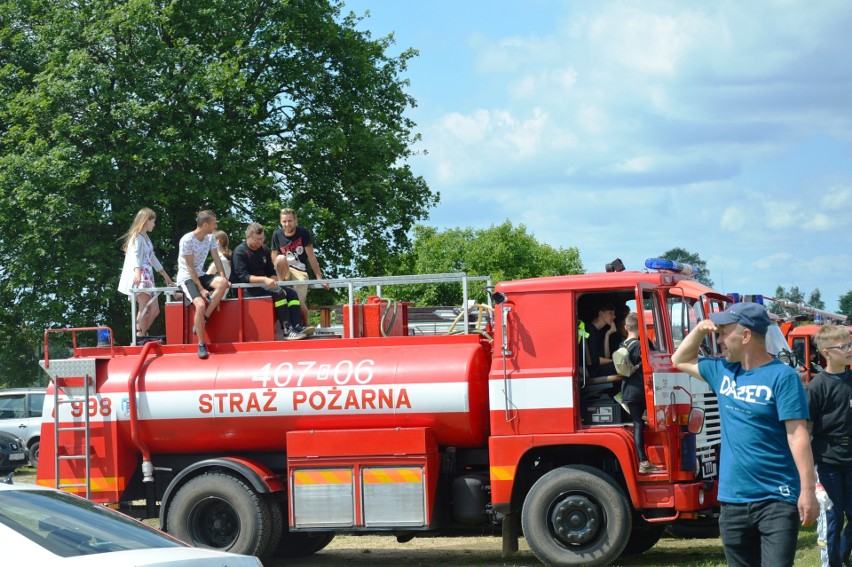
(797, 324)
(273, 447)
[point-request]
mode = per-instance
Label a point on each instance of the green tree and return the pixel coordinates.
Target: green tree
(845, 304)
(504, 252)
(239, 106)
(815, 299)
(796, 296)
(686, 257)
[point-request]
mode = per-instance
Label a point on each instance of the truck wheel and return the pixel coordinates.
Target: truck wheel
(34, 454)
(219, 511)
(643, 537)
(299, 544)
(576, 516)
(277, 525)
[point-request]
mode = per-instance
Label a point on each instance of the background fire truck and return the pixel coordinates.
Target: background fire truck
(797, 324)
(271, 448)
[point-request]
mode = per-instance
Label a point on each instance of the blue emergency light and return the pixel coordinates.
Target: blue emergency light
(665, 265)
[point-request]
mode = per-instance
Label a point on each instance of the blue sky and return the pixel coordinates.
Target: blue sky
(628, 128)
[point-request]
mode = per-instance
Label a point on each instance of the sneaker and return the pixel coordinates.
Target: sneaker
(309, 330)
(647, 467)
(202, 351)
(294, 335)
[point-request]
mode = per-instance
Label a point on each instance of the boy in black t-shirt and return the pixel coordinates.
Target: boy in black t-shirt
(830, 408)
(292, 250)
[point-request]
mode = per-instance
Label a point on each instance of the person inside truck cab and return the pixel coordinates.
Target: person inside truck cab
(620, 334)
(600, 331)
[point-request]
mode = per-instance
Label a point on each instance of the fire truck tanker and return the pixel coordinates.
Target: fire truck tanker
(272, 447)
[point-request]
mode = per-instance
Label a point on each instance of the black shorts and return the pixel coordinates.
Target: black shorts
(190, 291)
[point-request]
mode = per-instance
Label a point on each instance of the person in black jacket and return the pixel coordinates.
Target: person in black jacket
(830, 407)
(633, 392)
(252, 263)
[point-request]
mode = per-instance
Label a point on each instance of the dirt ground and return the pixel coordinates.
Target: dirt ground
(385, 550)
(485, 551)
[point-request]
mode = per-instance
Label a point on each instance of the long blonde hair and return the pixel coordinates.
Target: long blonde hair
(144, 215)
(223, 240)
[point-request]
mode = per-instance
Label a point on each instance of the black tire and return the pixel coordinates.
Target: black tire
(34, 454)
(293, 545)
(220, 511)
(300, 544)
(576, 516)
(277, 524)
(643, 537)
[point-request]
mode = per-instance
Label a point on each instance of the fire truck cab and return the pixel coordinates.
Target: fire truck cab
(272, 447)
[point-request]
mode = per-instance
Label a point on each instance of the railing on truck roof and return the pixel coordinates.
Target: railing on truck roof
(351, 284)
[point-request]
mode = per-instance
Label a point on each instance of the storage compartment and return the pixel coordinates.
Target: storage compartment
(369, 479)
(377, 318)
(602, 411)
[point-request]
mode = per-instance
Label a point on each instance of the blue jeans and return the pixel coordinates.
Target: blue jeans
(837, 482)
(759, 533)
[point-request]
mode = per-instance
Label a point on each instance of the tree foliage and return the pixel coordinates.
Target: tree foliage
(795, 295)
(239, 106)
(686, 257)
(504, 252)
(815, 299)
(845, 304)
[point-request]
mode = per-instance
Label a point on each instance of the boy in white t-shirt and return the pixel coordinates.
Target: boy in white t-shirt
(199, 287)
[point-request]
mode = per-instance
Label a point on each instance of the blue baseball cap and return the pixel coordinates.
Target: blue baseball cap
(750, 315)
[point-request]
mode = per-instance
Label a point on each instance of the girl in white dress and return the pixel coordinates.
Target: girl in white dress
(140, 263)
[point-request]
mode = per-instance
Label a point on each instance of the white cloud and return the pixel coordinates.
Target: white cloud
(468, 130)
(773, 261)
(837, 199)
(733, 219)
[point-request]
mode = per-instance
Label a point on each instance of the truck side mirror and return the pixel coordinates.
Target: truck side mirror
(696, 420)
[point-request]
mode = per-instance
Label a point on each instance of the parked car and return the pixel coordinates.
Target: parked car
(13, 454)
(20, 415)
(43, 526)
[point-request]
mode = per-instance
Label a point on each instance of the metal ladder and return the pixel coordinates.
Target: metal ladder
(75, 378)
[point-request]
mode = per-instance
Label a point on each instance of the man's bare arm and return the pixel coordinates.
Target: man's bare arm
(800, 446)
(686, 356)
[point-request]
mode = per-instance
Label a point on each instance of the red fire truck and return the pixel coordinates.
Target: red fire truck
(273, 447)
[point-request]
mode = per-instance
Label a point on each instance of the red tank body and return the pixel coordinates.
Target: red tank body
(244, 400)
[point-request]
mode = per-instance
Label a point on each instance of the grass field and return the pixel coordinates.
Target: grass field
(485, 551)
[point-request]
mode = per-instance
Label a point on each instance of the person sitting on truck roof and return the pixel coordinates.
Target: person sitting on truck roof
(292, 249)
(197, 286)
(224, 253)
(252, 263)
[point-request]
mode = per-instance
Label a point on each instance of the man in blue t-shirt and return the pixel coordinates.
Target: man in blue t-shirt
(766, 470)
